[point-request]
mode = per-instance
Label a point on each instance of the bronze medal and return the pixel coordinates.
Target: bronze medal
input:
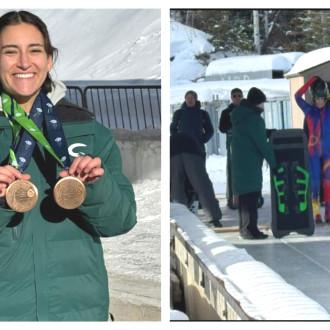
(21, 195)
(69, 192)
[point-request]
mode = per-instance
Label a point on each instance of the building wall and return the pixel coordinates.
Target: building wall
(297, 114)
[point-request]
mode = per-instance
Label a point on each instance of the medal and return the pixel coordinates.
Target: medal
(21, 195)
(69, 192)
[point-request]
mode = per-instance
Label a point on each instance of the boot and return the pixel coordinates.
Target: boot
(327, 212)
(216, 223)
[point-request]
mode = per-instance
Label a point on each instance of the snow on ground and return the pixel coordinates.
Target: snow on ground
(216, 168)
(137, 253)
(183, 72)
(104, 44)
(188, 41)
(186, 44)
(292, 57)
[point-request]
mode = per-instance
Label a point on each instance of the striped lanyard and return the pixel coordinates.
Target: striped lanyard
(27, 131)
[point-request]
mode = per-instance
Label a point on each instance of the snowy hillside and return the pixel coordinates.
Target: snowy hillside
(188, 73)
(186, 44)
(104, 44)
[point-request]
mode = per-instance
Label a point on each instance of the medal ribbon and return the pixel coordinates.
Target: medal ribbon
(24, 140)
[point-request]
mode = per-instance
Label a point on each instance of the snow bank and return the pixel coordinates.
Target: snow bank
(292, 57)
(220, 90)
(186, 44)
(262, 293)
(137, 253)
(310, 60)
(183, 72)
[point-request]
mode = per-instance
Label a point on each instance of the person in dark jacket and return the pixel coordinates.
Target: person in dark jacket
(193, 121)
(249, 148)
(236, 95)
(187, 164)
(51, 258)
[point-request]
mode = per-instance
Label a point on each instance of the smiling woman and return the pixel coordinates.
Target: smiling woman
(24, 63)
(51, 258)
(26, 53)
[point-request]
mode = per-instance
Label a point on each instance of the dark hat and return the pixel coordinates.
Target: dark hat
(193, 93)
(256, 96)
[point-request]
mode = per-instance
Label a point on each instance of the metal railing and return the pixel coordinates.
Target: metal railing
(131, 107)
(75, 95)
(277, 115)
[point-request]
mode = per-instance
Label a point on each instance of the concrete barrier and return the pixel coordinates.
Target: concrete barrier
(225, 282)
(141, 153)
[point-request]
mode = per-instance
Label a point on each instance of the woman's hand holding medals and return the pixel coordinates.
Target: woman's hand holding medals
(85, 168)
(21, 195)
(69, 192)
(8, 174)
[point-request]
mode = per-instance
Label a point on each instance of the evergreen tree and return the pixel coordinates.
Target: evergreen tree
(316, 29)
(281, 30)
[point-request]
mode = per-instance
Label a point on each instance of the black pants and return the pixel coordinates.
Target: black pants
(248, 213)
(192, 167)
(229, 188)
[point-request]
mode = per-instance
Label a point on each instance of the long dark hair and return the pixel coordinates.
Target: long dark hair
(19, 17)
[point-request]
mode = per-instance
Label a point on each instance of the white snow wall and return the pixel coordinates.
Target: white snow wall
(140, 152)
(225, 282)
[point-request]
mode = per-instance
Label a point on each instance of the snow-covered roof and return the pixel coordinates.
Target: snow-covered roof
(309, 61)
(208, 90)
(251, 63)
(187, 41)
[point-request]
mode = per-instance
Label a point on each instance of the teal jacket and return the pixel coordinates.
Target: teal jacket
(51, 259)
(249, 148)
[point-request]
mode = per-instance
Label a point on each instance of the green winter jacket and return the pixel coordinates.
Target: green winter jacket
(51, 259)
(249, 149)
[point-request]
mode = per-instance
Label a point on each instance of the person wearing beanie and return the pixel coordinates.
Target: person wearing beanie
(236, 95)
(317, 127)
(256, 96)
(192, 120)
(249, 148)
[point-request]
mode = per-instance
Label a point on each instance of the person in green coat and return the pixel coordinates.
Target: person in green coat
(249, 148)
(51, 258)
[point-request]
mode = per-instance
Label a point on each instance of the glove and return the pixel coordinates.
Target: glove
(302, 90)
(269, 132)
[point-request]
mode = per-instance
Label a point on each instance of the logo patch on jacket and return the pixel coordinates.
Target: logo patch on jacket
(74, 153)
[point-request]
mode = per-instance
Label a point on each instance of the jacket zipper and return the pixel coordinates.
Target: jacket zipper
(15, 233)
